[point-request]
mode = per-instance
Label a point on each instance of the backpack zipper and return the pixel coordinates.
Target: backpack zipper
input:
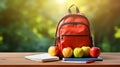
(74, 23)
(72, 35)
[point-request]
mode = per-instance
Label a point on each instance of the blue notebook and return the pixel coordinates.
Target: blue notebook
(82, 59)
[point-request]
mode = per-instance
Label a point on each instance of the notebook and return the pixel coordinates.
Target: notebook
(82, 59)
(44, 57)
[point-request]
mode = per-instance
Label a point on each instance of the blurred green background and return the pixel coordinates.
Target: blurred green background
(30, 25)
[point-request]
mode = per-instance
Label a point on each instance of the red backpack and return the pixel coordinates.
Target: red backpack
(73, 31)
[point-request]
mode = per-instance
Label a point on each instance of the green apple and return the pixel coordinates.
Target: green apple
(78, 52)
(86, 50)
(67, 52)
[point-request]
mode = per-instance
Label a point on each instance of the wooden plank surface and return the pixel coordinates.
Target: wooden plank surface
(18, 60)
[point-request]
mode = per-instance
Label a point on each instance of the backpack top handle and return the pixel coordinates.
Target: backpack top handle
(77, 9)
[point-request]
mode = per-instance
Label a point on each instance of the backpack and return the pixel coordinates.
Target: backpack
(73, 31)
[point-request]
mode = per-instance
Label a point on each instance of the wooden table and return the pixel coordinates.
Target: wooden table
(18, 60)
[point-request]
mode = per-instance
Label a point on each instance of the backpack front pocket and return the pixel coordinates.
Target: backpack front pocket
(74, 40)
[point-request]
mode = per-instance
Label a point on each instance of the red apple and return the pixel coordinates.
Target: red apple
(53, 51)
(94, 52)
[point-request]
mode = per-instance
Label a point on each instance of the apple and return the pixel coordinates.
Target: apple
(67, 52)
(53, 51)
(78, 52)
(86, 51)
(94, 52)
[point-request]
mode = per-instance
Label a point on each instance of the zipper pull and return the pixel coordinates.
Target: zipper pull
(62, 36)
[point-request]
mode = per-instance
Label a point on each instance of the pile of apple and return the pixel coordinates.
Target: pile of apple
(78, 52)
